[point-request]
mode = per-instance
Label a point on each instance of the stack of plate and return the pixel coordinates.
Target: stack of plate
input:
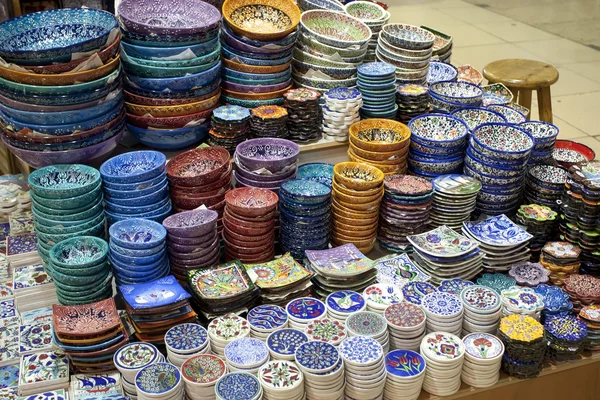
(80, 270)
(318, 172)
(252, 241)
(54, 110)
(269, 121)
(412, 100)
(200, 177)
(544, 185)
(321, 362)
(305, 216)
(200, 374)
(224, 330)
(499, 145)
(540, 222)
(583, 290)
(545, 135)
(589, 315)
(404, 210)
(304, 310)
(327, 385)
(265, 163)
(305, 114)
(274, 373)
(131, 358)
(408, 48)
(444, 312)
(266, 319)
(66, 203)
(556, 301)
(135, 186)
(525, 346)
(442, 46)
(246, 355)
(192, 241)
(369, 324)
(137, 251)
(561, 259)
(365, 367)
(230, 126)
(323, 33)
(92, 328)
(257, 41)
(444, 354)
(437, 145)
(449, 96)
(405, 374)
(230, 385)
(566, 335)
(482, 309)
(172, 385)
(381, 143)
(341, 304)
(406, 325)
(483, 358)
(374, 16)
(523, 301)
(185, 341)
(283, 343)
(504, 242)
(380, 296)
(326, 330)
(377, 84)
(442, 253)
(454, 199)
(340, 112)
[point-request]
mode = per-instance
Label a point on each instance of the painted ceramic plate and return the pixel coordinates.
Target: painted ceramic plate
(345, 301)
(366, 323)
(443, 242)
(316, 356)
(399, 270)
(267, 317)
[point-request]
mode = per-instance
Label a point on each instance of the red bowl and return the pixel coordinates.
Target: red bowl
(245, 232)
(151, 101)
(242, 251)
(580, 148)
(192, 203)
(240, 222)
(186, 252)
(168, 122)
(251, 202)
(195, 261)
(266, 218)
(245, 238)
(199, 193)
(242, 243)
(263, 257)
(223, 183)
(191, 241)
(198, 167)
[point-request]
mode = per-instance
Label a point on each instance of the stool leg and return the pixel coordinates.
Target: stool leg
(545, 104)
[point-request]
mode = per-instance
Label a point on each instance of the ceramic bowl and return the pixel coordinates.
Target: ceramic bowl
(156, 40)
(503, 141)
(67, 203)
(409, 54)
(401, 64)
(441, 71)
(334, 28)
(181, 121)
(191, 223)
(306, 5)
(170, 69)
(180, 84)
(314, 45)
(30, 40)
(231, 53)
(68, 218)
(261, 19)
(269, 153)
(366, 11)
(250, 176)
(175, 110)
(52, 239)
(474, 117)
(152, 101)
(251, 202)
(408, 36)
(469, 74)
(458, 92)
(512, 116)
(255, 87)
(444, 106)
(318, 172)
(491, 169)
(379, 135)
(137, 233)
(198, 166)
(191, 202)
(542, 132)
(170, 139)
(158, 53)
(338, 186)
(323, 84)
(438, 130)
(238, 43)
(255, 69)
(59, 227)
(63, 181)
(132, 167)
(304, 192)
(433, 166)
(357, 176)
(278, 94)
(79, 252)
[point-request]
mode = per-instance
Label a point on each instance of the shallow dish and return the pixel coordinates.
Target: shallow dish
(504, 141)
(408, 36)
(441, 71)
(170, 139)
(379, 135)
(261, 19)
(198, 166)
(512, 116)
(335, 28)
(366, 11)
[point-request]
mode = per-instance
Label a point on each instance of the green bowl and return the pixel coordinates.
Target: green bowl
(90, 270)
(71, 203)
(77, 281)
(66, 212)
(74, 291)
(87, 294)
(83, 300)
(79, 252)
(50, 240)
(58, 227)
(69, 219)
(63, 181)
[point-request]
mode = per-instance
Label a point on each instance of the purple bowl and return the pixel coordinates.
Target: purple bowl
(185, 16)
(270, 153)
(191, 261)
(212, 259)
(88, 155)
(193, 223)
(236, 43)
(251, 176)
(236, 87)
(193, 241)
(259, 184)
(180, 252)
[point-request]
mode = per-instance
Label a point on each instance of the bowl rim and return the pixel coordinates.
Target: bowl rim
(315, 35)
(80, 189)
(266, 141)
(402, 26)
(355, 128)
(370, 4)
(377, 171)
(507, 125)
(295, 19)
(93, 239)
(442, 116)
(432, 88)
(158, 157)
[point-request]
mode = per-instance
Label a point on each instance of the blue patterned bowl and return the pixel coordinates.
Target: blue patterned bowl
(305, 192)
(407, 36)
(134, 186)
(438, 130)
(458, 92)
(137, 233)
(114, 248)
(153, 198)
(233, 56)
(170, 139)
(79, 252)
(318, 172)
(202, 59)
(158, 53)
(334, 28)
(63, 181)
(155, 216)
(441, 71)
(491, 169)
(232, 52)
(52, 36)
(151, 208)
(149, 69)
(209, 88)
(503, 141)
(445, 106)
(252, 103)
(324, 83)
(542, 132)
(474, 117)
(140, 39)
(262, 82)
(134, 167)
(130, 194)
(182, 84)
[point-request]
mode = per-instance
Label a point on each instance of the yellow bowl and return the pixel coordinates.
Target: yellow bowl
(382, 157)
(345, 212)
(355, 199)
(255, 69)
(348, 227)
(357, 176)
(378, 134)
(359, 223)
(372, 206)
(256, 96)
(68, 78)
(351, 192)
(242, 17)
(353, 233)
(385, 168)
(173, 111)
(364, 246)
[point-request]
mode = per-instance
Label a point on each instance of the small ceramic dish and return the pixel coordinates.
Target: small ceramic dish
(503, 141)
(366, 11)
(512, 116)
(270, 153)
(474, 117)
(198, 166)
(335, 28)
(469, 74)
(379, 135)
(63, 181)
(304, 192)
(408, 36)
(440, 71)
(79, 252)
(263, 20)
(137, 233)
(137, 166)
(542, 132)
(358, 176)
(459, 92)
(251, 202)
(438, 130)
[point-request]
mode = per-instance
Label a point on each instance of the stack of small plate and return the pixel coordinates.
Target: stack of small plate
(412, 100)
(561, 259)
(283, 343)
(444, 354)
(273, 373)
(135, 186)
(230, 125)
(504, 242)
(556, 300)
(327, 385)
(224, 330)
(131, 358)
(442, 45)
(304, 310)
(326, 330)
(589, 315)
(566, 335)
(266, 319)
(341, 304)
(374, 16)
(540, 222)
(483, 358)
(184, 341)
(545, 135)
(380, 296)
(230, 385)
(544, 185)
(269, 121)
(522, 301)
(371, 325)
(365, 367)
(246, 355)
(525, 346)
(454, 199)
(405, 374)
(200, 374)
(321, 362)
(172, 385)
(377, 84)
(304, 114)
(341, 110)
(406, 325)
(444, 312)
(482, 309)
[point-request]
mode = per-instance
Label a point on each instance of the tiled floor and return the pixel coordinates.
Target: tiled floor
(503, 29)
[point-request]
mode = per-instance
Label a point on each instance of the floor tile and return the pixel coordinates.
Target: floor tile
(560, 51)
(474, 14)
(468, 35)
(567, 131)
(514, 31)
(579, 110)
(570, 82)
(590, 70)
(425, 16)
(584, 32)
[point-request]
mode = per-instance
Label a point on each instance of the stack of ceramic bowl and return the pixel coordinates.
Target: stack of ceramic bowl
(566, 335)
(369, 324)
(266, 319)
(341, 110)
(404, 210)
(306, 5)
(131, 358)
(561, 259)
(66, 203)
(437, 146)
(342, 303)
(442, 47)
(274, 373)
(412, 100)
(406, 325)
(185, 341)
(265, 163)
(304, 310)
(522, 301)
(200, 374)
(381, 143)
(200, 177)
(405, 374)
(449, 96)
(246, 355)
(305, 114)
(224, 330)
(365, 367)
(305, 216)
(441, 72)
(56, 108)
(512, 115)
(230, 385)
(356, 221)
(137, 251)
(377, 84)
(192, 241)
(544, 184)
(504, 242)
(249, 223)
(80, 269)
(540, 222)
(380, 296)
(323, 369)
(374, 16)
(257, 40)
(454, 199)
(317, 172)
(230, 125)
(505, 146)
(269, 121)
(135, 186)
(172, 387)
(483, 359)
(525, 346)
(444, 354)
(482, 309)
(544, 135)
(444, 312)
(475, 116)
(408, 48)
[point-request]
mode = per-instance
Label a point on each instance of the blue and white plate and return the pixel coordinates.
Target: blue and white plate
(317, 357)
(283, 343)
(157, 293)
(454, 286)
(497, 231)
(361, 350)
(158, 379)
(238, 386)
(186, 338)
(441, 304)
(345, 302)
(246, 353)
(376, 70)
(305, 309)
(267, 318)
(415, 291)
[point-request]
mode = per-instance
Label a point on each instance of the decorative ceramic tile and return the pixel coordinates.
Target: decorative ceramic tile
(366, 323)
(9, 376)
(283, 375)
(317, 356)
(483, 345)
(529, 274)
(203, 369)
(286, 341)
(522, 328)
(43, 367)
(157, 379)
(562, 250)
(442, 304)
(35, 337)
(29, 276)
(12, 393)
(8, 309)
(442, 346)
(399, 270)
(404, 363)
(228, 327)
(136, 355)
(326, 330)
(522, 299)
(278, 273)
(186, 338)
(246, 352)
(238, 386)
(37, 315)
(345, 302)
(537, 212)
(305, 309)
(498, 282)
(21, 244)
(442, 242)
(381, 295)
(220, 282)
(566, 327)
(87, 319)
(4, 230)
(481, 298)
(414, 291)
(555, 299)
(6, 291)
(342, 261)
(454, 286)
(267, 317)
(21, 223)
(157, 293)
(361, 350)
(405, 315)
(497, 231)
(9, 344)
(89, 385)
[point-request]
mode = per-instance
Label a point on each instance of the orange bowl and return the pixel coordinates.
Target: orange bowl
(351, 192)
(378, 134)
(256, 96)
(173, 111)
(238, 15)
(255, 69)
(356, 222)
(358, 176)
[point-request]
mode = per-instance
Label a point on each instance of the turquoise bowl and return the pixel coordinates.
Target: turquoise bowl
(243, 81)
(79, 252)
(92, 298)
(77, 280)
(152, 71)
(203, 59)
(59, 227)
(51, 240)
(90, 270)
(70, 203)
(84, 289)
(252, 103)
(68, 219)
(63, 181)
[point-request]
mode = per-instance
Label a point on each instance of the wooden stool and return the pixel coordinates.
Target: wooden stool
(523, 76)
